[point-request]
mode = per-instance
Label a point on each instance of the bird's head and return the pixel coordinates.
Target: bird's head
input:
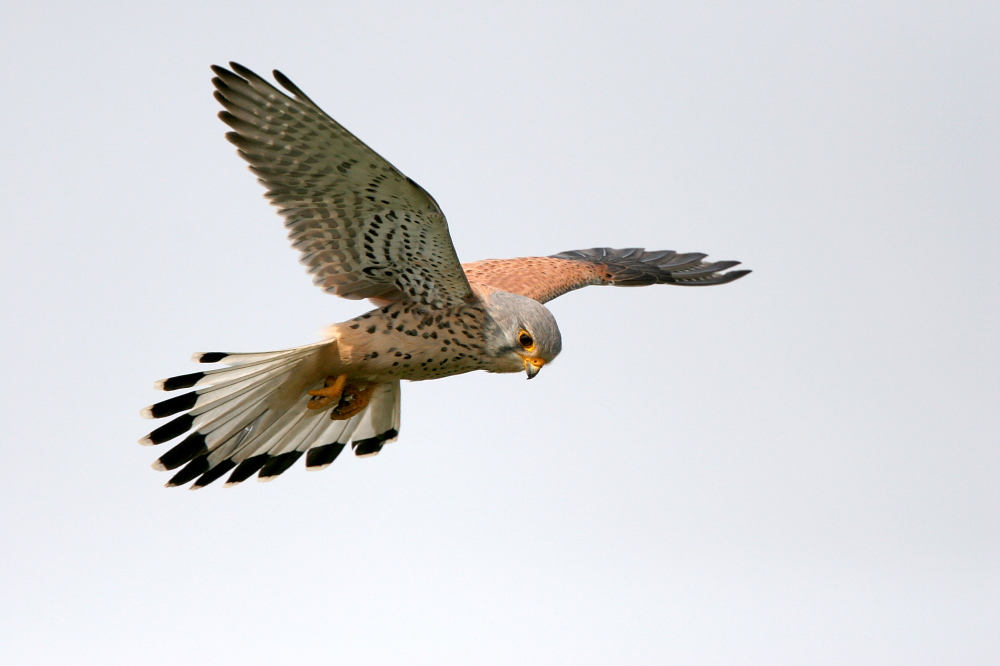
(521, 333)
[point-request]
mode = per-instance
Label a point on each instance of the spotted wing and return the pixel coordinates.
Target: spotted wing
(545, 278)
(364, 229)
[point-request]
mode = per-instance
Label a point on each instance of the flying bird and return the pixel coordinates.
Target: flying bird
(366, 231)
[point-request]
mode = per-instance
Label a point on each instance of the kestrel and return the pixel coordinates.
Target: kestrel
(367, 231)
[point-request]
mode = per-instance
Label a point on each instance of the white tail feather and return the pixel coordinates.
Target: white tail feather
(334, 432)
(221, 390)
(257, 409)
(380, 415)
(251, 358)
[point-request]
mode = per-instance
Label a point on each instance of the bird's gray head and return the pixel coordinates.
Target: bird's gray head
(521, 333)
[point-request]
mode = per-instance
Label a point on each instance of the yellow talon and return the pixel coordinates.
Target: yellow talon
(347, 399)
(355, 399)
(332, 392)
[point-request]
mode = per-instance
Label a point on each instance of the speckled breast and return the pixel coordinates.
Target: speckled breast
(400, 341)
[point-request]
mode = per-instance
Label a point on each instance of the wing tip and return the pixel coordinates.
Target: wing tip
(239, 69)
(736, 275)
(285, 82)
(634, 266)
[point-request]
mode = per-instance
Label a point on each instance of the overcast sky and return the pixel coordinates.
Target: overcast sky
(797, 468)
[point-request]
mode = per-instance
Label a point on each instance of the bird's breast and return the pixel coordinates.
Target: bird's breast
(397, 342)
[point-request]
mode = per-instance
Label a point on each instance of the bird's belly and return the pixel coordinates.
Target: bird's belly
(379, 347)
(415, 364)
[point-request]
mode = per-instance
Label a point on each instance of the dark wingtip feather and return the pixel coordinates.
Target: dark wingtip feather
(288, 85)
(246, 469)
(278, 464)
(636, 267)
(706, 269)
(245, 72)
(721, 278)
(680, 261)
(285, 82)
(734, 275)
(322, 456)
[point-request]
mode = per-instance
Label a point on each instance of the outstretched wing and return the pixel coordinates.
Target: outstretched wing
(364, 229)
(544, 278)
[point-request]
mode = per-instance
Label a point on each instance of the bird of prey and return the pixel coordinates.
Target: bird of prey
(366, 231)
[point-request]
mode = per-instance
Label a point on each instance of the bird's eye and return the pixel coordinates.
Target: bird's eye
(526, 340)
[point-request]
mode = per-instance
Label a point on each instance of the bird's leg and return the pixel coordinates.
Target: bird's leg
(332, 392)
(349, 398)
(355, 398)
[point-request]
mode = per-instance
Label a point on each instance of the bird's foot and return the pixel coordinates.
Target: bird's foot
(356, 397)
(349, 398)
(331, 393)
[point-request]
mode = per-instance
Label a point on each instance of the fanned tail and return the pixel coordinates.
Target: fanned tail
(251, 417)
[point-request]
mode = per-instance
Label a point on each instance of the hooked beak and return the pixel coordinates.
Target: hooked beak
(532, 365)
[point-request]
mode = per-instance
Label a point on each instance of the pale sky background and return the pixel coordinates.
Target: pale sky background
(798, 468)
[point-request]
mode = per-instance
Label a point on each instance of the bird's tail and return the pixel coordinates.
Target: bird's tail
(252, 417)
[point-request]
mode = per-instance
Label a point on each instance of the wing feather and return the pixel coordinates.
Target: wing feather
(363, 228)
(545, 278)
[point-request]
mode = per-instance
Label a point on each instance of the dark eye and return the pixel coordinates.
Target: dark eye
(526, 340)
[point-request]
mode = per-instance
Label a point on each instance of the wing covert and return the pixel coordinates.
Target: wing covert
(545, 278)
(363, 228)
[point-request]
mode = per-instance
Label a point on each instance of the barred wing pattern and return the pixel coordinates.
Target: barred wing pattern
(364, 229)
(545, 278)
